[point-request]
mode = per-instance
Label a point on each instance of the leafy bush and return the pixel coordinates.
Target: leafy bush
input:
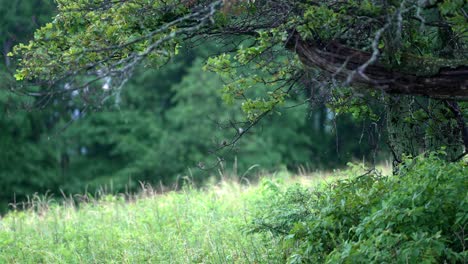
(419, 215)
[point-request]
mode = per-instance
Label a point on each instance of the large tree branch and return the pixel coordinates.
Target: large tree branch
(345, 63)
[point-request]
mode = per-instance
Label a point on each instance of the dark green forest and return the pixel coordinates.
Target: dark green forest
(162, 125)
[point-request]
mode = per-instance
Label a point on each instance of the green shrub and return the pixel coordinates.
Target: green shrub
(417, 216)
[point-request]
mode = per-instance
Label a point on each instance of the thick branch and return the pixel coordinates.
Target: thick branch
(343, 62)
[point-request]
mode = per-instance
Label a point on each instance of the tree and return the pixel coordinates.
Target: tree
(146, 132)
(23, 135)
(377, 47)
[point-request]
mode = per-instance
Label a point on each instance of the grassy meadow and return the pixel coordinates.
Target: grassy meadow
(355, 216)
(192, 225)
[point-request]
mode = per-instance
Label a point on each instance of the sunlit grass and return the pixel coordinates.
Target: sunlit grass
(192, 225)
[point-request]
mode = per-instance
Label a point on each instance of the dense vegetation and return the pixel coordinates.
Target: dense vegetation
(162, 125)
(358, 217)
(418, 217)
(102, 97)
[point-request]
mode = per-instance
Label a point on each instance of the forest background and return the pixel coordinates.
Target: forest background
(165, 124)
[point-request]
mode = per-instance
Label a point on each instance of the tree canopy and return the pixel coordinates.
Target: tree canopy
(412, 47)
(165, 123)
(377, 47)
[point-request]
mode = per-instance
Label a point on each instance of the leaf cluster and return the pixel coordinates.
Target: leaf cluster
(417, 216)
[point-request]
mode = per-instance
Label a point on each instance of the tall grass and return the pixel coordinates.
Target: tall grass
(188, 226)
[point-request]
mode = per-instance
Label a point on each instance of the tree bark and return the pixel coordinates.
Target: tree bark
(346, 63)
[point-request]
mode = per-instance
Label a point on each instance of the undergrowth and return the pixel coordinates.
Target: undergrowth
(419, 216)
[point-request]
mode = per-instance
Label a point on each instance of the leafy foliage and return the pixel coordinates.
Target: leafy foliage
(406, 47)
(420, 216)
(91, 48)
(161, 126)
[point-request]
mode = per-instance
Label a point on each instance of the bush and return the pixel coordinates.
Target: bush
(417, 216)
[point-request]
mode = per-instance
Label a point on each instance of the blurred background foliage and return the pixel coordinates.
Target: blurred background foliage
(162, 125)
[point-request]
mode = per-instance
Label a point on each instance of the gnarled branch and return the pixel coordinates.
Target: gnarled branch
(344, 63)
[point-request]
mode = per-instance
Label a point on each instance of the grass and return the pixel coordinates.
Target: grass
(205, 225)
